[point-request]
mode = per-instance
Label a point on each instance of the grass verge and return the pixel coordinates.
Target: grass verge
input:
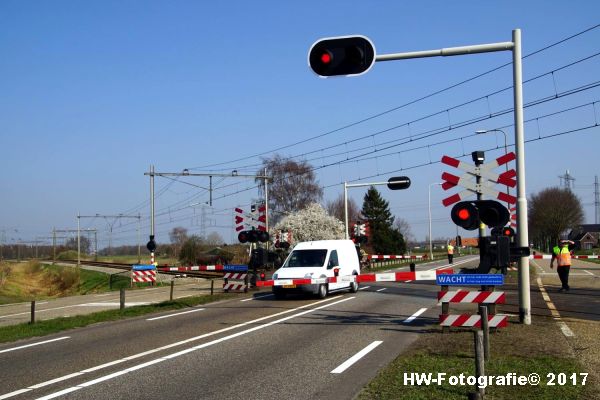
(522, 349)
(41, 328)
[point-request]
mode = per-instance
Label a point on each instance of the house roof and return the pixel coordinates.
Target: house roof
(466, 242)
(581, 230)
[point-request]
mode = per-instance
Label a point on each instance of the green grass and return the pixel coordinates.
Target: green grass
(41, 328)
(390, 383)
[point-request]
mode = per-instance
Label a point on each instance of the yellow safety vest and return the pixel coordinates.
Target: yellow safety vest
(564, 257)
(450, 249)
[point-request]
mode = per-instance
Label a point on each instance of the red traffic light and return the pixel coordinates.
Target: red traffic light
(346, 55)
(326, 57)
(465, 215)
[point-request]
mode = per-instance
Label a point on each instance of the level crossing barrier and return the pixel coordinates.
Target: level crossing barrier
(549, 257)
(383, 277)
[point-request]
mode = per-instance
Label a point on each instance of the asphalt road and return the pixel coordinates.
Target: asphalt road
(255, 347)
(583, 300)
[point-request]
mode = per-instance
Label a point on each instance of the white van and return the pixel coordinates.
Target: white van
(314, 260)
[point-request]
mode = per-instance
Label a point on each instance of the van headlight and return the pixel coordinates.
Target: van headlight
(274, 276)
(308, 275)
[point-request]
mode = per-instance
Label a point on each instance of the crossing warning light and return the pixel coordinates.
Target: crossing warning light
(253, 236)
(398, 183)
(345, 55)
(469, 214)
(465, 215)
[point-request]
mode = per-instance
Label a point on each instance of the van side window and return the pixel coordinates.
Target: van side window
(333, 260)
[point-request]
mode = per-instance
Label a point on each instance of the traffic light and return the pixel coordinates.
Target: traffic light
(398, 183)
(151, 245)
(346, 55)
(253, 236)
(494, 252)
(470, 214)
(465, 215)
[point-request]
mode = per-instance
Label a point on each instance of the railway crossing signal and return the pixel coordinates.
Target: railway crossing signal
(470, 214)
(253, 236)
(344, 55)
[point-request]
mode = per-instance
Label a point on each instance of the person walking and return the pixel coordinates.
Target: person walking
(450, 253)
(562, 255)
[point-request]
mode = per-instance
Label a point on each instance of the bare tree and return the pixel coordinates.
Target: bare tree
(403, 227)
(335, 208)
(552, 212)
(214, 239)
(293, 185)
(178, 236)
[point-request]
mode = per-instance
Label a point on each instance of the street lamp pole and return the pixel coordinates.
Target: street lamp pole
(430, 242)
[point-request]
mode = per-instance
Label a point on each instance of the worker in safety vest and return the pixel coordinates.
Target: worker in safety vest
(562, 255)
(450, 253)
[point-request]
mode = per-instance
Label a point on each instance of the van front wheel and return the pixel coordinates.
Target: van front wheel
(354, 287)
(322, 292)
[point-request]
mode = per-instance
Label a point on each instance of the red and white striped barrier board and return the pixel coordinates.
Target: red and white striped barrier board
(468, 320)
(393, 257)
(466, 296)
(143, 276)
(240, 282)
(235, 275)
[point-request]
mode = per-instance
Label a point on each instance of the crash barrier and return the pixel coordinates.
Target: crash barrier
(240, 282)
(549, 257)
(143, 273)
(383, 277)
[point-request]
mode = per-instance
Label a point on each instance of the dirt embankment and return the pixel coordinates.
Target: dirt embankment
(31, 280)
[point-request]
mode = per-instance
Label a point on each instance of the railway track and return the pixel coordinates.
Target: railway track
(127, 267)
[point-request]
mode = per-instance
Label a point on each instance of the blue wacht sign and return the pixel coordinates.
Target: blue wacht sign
(470, 279)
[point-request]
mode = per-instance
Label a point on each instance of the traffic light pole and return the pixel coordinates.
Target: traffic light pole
(522, 231)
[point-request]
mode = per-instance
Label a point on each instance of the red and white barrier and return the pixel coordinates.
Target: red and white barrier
(143, 276)
(393, 276)
(384, 277)
(218, 268)
(287, 282)
(466, 296)
(468, 320)
(240, 284)
(549, 257)
(394, 257)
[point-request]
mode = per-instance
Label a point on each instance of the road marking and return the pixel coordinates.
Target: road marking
(364, 287)
(105, 304)
(586, 271)
(174, 315)
(555, 314)
(258, 297)
(414, 316)
(166, 347)
(34, 344)
(201, 346)
(102, 295)
(352, 360)
(381, 290)
(407, 281)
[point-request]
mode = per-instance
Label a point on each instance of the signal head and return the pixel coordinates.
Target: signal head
(345, 55)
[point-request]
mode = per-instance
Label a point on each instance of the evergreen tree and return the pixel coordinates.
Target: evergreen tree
(383, 237)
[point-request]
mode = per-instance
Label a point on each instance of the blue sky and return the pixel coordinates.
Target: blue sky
(94, 92)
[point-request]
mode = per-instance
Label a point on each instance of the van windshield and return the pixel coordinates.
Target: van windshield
(306, 258)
